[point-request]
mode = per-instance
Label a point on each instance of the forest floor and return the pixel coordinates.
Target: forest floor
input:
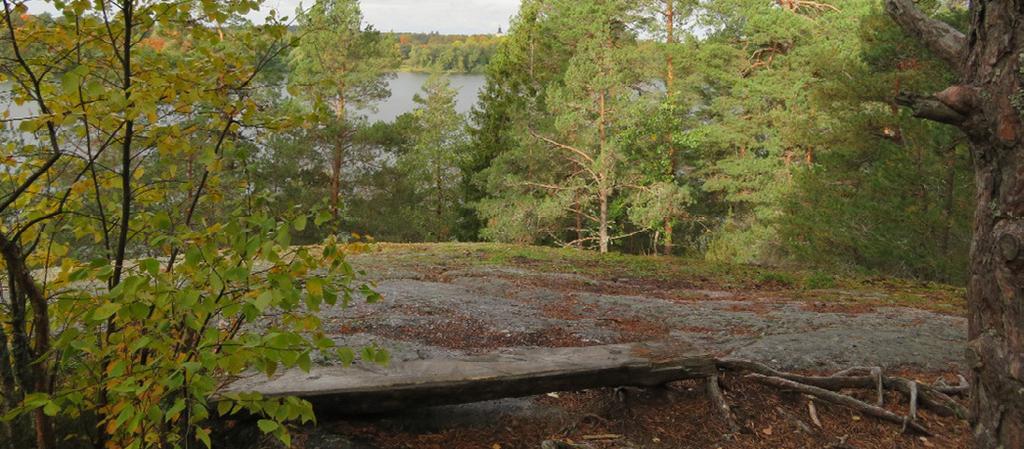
(454, 299)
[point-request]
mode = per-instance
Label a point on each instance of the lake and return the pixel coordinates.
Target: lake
(405, 85)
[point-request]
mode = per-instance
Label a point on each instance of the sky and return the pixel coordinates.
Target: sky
(443, 16)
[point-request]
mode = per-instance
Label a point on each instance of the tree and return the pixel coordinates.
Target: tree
(987, 106)
(432, 163)
(672, 14)
(575, 120)
(523, 64)
(884, 190)
(337, 65)
(133, 258)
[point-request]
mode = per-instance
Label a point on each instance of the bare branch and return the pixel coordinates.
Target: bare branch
(941, 38)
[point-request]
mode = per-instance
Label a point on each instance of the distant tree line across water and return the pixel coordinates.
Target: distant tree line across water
(425, 52)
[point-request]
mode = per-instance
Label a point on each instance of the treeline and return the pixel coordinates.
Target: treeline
(425, 52)
(737, 130)
(734, 130)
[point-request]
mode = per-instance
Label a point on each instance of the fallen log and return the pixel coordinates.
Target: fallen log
(367, 389)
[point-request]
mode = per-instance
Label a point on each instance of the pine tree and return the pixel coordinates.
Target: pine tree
(338, 65)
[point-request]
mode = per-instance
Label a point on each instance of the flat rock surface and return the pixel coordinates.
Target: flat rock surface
(478, 311)
(437, 311)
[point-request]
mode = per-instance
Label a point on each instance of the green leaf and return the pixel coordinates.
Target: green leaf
(263, 301)
(382, 357)
(322, 217)
(223, 408)
(204, 436)
(175, 410)
(315, 286)
(51, 409)
(300, 223)
(346, 355)
(105, 311)
(267, 426)
(151, 266)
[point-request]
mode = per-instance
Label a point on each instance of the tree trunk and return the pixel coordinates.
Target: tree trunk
(670, 78)
(996, 291)
(604, 162)
(8, 394)
(35, 377)
(603, 225)
(579, 222)
(420, 383)
(337, 158)
(985, 106)
(668, 236)
(996, 299)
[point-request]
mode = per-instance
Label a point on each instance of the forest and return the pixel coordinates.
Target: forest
(745, 145)
(447, 53)
(190, 196)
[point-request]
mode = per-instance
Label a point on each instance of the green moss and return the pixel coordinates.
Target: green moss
(819, 281)
(671, 273)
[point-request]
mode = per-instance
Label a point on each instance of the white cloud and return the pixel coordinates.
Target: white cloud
(444, 16)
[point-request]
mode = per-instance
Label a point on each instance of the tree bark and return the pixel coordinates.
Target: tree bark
(988, 99)
(603, 225)
(38, 380)
(8, 394)
(604, 169)
(420, 383)
(670, 78)
(338, 158)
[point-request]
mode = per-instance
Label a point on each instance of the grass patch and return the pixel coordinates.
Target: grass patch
(669, 273)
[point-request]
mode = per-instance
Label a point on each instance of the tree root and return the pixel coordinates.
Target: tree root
(931, 398)
(714, 392)
(934, 398)
(842, 399)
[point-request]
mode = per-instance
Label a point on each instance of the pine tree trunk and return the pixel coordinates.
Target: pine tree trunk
(579, 223)
(605, 172)
(996, 290)
(986, 106)
(996, 299)
(670, 78)
(603, 225)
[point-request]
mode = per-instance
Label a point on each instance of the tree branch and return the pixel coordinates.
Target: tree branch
(941, 38)
(931, 108)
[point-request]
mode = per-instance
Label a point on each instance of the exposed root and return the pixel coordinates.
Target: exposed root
(942, 387)
(715, 393)
(876, 373)
(841, 399)
(928, 397)
(799, 423)
(813, 412)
